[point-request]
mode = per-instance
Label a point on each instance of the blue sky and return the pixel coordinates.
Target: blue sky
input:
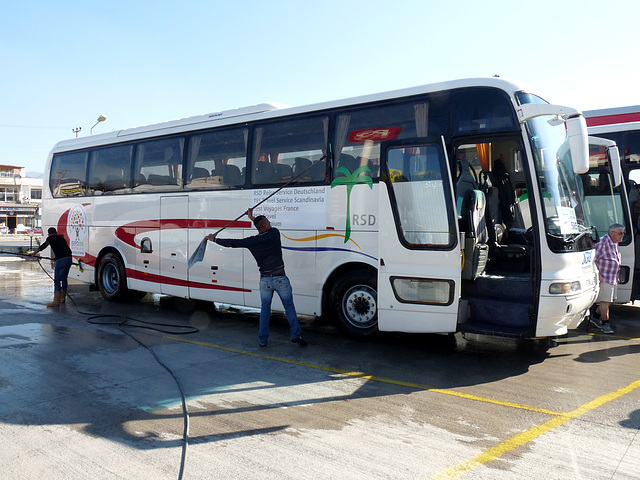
(64, 63)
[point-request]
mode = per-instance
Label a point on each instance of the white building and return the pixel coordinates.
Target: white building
(20, 198)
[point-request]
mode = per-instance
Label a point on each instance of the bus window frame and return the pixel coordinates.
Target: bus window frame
(254, 156)
(90, 186)
(160, 188)
(82, 182)
(446, 179)
(242, 128)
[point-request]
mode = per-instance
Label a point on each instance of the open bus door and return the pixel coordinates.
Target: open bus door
(419, 271)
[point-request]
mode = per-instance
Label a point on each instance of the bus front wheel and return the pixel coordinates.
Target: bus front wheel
(354, 304)
(112, 278)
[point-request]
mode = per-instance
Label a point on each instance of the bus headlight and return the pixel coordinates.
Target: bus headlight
(564, 288)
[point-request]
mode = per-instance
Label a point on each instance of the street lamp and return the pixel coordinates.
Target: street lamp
(101, 118)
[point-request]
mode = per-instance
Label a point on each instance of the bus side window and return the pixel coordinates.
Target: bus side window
(634, 198)
(160, 162)
(110, 170)
(424, 212)
(68, 174)
(290, 149)
(358, 131)
(216, 159)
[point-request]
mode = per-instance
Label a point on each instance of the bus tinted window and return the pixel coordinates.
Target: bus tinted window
(358, 132)
(68, 174)
(159, 165)
(483, 110)
(628, 145)
(285, 149)
(217, 159)
(110, 170)
(417, 176)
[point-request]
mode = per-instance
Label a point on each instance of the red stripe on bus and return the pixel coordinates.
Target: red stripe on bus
(154, 278)
(87, 259)
(127, 232)
(613, 119)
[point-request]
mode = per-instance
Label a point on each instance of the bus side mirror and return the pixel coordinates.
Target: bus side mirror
(613, 157)
(614, 161)
(578, 142)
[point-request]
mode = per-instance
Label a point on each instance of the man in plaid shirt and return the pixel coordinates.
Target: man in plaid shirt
(608, 262)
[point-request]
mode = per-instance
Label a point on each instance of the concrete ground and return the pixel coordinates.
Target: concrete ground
(99, 400)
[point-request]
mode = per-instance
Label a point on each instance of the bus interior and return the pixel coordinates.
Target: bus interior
(495, 221)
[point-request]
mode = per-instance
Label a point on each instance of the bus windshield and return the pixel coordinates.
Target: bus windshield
(601, 199)
(562, 208)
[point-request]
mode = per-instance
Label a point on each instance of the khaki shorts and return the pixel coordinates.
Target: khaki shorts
(608, 292)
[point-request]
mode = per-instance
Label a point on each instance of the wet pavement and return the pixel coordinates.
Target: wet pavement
(83, 396)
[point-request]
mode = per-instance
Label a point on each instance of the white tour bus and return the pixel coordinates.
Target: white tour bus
(622, 125)
(442, 208)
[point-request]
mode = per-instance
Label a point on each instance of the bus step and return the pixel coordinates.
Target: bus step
(513, 287)
(493, 311)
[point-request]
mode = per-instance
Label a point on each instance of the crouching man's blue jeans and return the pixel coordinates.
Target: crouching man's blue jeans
(282, 286)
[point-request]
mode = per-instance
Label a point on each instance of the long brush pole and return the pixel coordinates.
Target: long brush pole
(293, 179)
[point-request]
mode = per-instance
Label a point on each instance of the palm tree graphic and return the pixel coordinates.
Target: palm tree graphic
(351, 179)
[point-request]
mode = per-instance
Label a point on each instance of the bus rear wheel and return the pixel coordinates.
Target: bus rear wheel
(354, 304)
(112, 278)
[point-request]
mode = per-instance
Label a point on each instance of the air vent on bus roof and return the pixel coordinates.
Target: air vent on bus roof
(209, 117)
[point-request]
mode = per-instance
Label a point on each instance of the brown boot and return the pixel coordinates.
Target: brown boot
(56, 300)
(63, 296)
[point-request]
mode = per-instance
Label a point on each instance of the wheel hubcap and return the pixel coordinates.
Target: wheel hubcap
(360, 307)
(110, 278)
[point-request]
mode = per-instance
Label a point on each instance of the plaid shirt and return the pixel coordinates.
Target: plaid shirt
(608, 259)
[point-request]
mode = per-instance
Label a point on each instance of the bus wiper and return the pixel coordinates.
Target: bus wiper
(576, 236)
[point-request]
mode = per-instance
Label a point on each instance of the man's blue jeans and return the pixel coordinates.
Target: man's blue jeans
(281, 285)
(61, 273)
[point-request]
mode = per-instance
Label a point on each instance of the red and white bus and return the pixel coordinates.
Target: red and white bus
(441, 208)
(622, 125)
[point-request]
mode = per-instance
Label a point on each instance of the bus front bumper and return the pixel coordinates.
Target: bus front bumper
(559, 313)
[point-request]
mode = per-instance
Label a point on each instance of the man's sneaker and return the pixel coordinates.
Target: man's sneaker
(596, 321)
(606, 328)
(300, 341)
(262, 345)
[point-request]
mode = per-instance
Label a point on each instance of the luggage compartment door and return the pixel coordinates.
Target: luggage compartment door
(174, 212)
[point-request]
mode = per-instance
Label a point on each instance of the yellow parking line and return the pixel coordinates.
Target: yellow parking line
(372, 377)
(493, 453)
(520, 439)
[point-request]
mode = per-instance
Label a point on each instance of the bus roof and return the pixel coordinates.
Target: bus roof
(272, 110)
(608, 116)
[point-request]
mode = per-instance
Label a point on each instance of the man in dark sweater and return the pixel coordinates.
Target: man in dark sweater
(63, 258)
(267, 250)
